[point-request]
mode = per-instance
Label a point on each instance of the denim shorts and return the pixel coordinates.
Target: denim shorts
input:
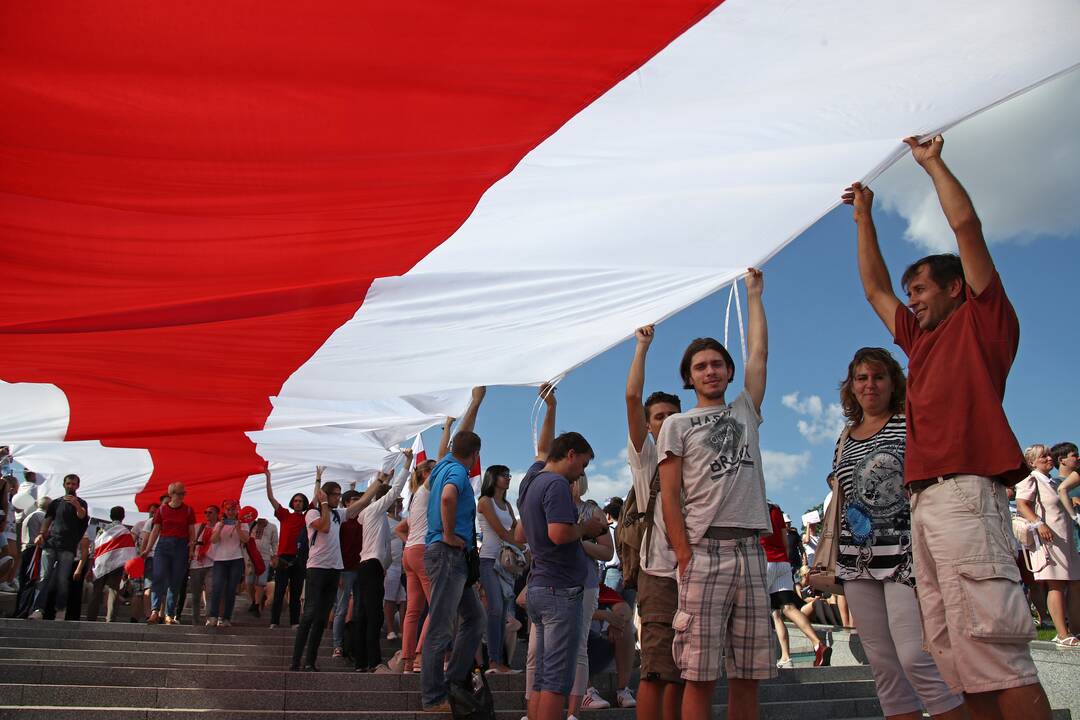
(556, 613)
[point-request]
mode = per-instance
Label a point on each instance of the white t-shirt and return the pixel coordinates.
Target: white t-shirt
(657, 557)
(268, 543)
(723, 484)
(228, 545)
(377, 525)
(208, 560)
(418, 516)
(325, 552)
(143, 527)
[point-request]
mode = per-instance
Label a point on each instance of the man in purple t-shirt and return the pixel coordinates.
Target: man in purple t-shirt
(559, 567)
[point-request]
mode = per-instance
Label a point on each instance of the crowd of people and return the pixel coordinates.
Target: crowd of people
(713, 572)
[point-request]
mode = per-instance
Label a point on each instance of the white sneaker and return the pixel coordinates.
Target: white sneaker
(36, 615)
(224, 623)
(391, 636)
(625, 699)
(785, 664)
(593, 701)
(60, 614)
(211, 622)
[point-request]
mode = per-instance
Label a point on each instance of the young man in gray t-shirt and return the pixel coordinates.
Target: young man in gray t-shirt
(713, 494)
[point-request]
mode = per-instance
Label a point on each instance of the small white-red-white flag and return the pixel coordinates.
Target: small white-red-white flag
(112, 548)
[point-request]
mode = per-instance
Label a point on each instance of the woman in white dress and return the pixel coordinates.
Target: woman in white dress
(1037, 501)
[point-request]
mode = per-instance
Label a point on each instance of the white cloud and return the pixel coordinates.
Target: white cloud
(619, 460)
(1019, 162)
(822, 424)
(781, 467)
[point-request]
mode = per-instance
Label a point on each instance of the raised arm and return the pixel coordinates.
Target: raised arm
(322, 524)
(319, 470)
(270, 492)
(547, 430)
(468, 420)
(444, 441)
(872, 270)
(757, 339)
(383, 504)
(959, 211)
(635, 388)
(367, 498)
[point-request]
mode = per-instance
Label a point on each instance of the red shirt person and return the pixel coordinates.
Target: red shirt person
(960, 333)
(292, 553)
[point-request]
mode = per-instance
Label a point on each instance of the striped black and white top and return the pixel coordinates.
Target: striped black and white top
(875, 522)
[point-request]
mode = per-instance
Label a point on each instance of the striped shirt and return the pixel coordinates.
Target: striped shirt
(875, 520)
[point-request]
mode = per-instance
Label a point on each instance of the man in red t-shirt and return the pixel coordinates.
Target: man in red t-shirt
(960, 334)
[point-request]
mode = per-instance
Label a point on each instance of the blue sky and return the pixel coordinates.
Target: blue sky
(1021, 163)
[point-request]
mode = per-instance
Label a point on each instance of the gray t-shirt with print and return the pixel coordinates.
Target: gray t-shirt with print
(723, 484)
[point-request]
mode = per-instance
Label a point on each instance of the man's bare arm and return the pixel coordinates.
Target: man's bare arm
(468, 420)
(547, 429)
(757, 339)
(671, 492)
(635, 388)
(959, 211)
(872, 270)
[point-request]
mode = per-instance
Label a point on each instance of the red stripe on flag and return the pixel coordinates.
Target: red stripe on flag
(194, 197)
(121, 541)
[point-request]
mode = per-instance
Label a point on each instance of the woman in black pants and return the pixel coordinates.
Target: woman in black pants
(292, 554)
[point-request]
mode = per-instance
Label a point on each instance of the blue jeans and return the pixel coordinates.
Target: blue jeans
(446, 569)
(227, 576)
(349, 587)
(556, 615)
(496, 609)
(170, 569)
(56, 569)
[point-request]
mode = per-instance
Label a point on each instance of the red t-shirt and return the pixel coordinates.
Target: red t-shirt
(352, 542)
(956, 384)
(174, 522)
(775, 545)
(291, 525)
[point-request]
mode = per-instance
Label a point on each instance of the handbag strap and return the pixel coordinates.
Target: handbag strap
(650, 508)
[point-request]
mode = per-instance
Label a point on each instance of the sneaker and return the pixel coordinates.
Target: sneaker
(785, 664)
(36, 615)
(822, 655)
(60, 614)
(211, 622)
(273, 626)
(391, 636)
(593, 701)
(224, 623)
(439, 707)
(337, 653)
(625, 699)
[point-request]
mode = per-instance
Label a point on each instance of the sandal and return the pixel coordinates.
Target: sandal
(1070, 642)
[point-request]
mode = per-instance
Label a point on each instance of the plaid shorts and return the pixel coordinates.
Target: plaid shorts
(724, 613)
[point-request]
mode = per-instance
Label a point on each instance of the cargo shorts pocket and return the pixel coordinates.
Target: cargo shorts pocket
(682, 621)
(993, 601)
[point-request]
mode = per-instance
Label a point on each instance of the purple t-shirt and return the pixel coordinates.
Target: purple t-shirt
(544, 497)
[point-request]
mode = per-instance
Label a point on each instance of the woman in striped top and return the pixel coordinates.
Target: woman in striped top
(874, 559)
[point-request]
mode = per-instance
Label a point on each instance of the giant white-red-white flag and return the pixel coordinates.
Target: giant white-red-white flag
(332, 219)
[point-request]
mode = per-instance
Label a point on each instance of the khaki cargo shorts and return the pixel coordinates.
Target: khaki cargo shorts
(976, 621)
